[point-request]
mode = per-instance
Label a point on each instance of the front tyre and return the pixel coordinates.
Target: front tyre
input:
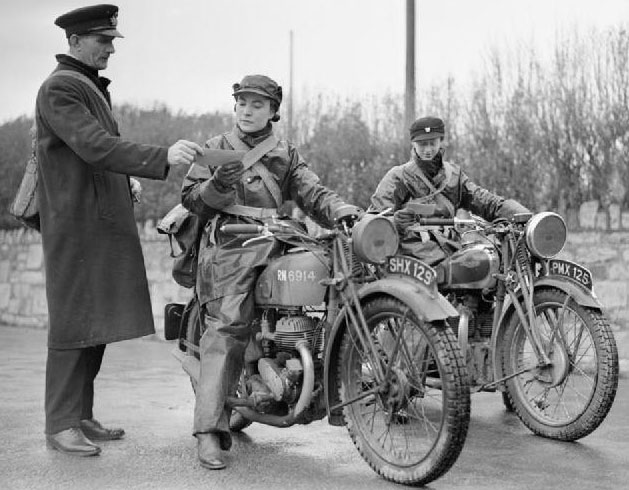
(411, 428)
(570, 398)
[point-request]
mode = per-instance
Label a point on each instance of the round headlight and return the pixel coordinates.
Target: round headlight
(546, 234)
(374, 238)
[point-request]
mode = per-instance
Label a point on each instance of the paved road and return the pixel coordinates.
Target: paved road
(142, 388)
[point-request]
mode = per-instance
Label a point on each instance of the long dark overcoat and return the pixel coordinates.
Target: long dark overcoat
(95, 275)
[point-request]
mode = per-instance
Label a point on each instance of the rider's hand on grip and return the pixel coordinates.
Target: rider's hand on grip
(244, 229)
(403, 218)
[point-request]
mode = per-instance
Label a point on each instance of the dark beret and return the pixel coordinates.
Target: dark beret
(259, 84)
(426, 128)
(95, 19)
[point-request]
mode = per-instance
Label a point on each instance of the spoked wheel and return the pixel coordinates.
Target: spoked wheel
(193, 336)
(411, 427)
(569, 398)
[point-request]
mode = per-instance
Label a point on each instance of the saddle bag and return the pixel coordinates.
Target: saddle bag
(184, 233)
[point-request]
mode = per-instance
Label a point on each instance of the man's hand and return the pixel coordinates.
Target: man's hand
(227, 175)
(183, 152)
(136, 189)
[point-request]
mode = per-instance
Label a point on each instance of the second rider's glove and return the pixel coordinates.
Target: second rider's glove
(403, 218)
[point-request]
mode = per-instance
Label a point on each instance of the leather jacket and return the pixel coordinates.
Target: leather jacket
(225, 267)
(403, 183)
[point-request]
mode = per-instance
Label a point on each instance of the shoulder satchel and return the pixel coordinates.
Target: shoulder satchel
(24, 206)
(183, 228)
(252, 160)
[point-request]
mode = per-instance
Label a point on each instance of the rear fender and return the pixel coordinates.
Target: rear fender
(426, 304)
(578, 293)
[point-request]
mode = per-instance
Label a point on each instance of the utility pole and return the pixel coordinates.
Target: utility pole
(409, 99)
(290, 90)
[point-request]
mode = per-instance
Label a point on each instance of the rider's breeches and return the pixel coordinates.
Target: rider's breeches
(222, 346)
(70, 377)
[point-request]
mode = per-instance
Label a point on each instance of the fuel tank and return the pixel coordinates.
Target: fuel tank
(472, 267)
(294, 279)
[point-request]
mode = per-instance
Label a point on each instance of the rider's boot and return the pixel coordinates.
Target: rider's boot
(209, 451)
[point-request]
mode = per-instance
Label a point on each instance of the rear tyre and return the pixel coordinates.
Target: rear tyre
(570, 398)
(193, 336)
(410, 429)
(193, 333)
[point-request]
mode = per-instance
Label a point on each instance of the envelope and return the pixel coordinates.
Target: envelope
(216, 158)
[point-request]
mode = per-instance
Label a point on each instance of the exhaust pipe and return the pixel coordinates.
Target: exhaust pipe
(192, 367)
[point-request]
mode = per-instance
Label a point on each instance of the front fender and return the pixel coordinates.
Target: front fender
(581, 295)
(426, 304)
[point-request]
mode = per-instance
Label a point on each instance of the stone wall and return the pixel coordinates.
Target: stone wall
(600, 244)
(22, 292)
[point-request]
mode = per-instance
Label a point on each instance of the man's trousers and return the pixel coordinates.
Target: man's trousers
(70, 375)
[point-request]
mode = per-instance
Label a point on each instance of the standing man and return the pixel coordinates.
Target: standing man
(96, 282)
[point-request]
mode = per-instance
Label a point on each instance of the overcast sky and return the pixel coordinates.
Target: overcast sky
(187, 53)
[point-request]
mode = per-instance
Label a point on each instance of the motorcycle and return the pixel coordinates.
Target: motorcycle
(529, 326)
(335, 338)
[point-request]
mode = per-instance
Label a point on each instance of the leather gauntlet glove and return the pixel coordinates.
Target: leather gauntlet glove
(403, 218)
(227, 175)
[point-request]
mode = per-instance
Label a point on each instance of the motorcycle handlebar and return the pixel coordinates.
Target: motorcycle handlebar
(446, 221)
(243, 229)
(436, 221)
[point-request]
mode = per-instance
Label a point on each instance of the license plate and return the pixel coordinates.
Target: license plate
(565, 268)
(412, 267)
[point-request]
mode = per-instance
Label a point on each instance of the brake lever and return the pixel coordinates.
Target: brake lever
(265, 236)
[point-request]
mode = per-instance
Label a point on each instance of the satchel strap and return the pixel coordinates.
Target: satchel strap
(79, 76)
(254, 154)
(437, 193)
(252, 160)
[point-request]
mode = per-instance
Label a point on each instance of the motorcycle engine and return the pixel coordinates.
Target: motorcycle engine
(283, 373)
(281, 376)
(291, 329)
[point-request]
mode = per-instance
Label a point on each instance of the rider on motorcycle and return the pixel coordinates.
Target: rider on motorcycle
(231, 194)
(428, 179)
